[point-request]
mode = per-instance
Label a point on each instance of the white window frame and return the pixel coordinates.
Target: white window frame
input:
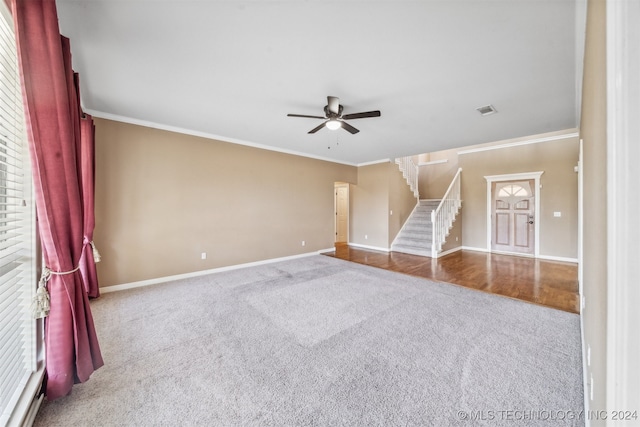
(20, 401)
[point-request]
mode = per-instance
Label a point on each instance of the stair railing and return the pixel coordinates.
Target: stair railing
(410, 173)
(443, 216)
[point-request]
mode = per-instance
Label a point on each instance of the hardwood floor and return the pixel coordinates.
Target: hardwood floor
(549, 283)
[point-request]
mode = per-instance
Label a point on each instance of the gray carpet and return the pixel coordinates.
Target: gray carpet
(319, 341)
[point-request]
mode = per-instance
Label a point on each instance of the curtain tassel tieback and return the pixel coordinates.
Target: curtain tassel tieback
(96, 254)
(40, 306)
(94, 249)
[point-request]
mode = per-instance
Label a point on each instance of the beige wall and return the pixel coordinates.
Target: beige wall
(369, 207)
(558, 236)
(163, 198)
(434, 179)
(559, 192)
(593, 131)
(380, 190)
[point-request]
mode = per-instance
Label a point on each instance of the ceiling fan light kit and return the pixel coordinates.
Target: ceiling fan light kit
(333, 124)
(333, 118)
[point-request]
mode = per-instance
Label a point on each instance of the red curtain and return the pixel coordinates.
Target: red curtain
(87, 168)
(53, 129)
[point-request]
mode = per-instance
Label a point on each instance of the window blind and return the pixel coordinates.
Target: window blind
(18, 357)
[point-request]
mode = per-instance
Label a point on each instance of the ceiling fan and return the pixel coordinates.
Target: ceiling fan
(333, 118)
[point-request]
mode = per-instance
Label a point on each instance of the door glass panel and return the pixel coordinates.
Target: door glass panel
(501, 204)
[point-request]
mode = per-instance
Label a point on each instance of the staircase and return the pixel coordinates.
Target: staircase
(427, 228)
(410, 173)
(416, 235)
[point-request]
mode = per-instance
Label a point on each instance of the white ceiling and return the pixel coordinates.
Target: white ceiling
(234, 69)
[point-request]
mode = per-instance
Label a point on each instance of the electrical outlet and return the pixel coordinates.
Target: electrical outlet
(456, 238)
(390, 212)
(366, 237)
(303, 243)
(203, 255)
(557, 214)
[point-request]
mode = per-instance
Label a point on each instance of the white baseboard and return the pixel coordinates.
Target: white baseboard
(141, 283)
(558, 258)
(513, 254)
(585, 369)
(373, 248)
(472, 248)
(545, 257)
(324, 251)
(449, 251)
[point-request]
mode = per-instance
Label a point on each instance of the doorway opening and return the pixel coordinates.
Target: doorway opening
(341, 208)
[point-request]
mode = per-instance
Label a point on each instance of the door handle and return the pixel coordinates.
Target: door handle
(530, 222)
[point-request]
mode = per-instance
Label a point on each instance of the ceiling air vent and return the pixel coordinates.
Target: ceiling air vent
(487, 109)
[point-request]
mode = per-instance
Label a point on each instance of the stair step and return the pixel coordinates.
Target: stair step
(419, 219)
(423, 212)
(421, 242)
(414, 243)
(411, 250)
(418, 225)
(421, 216)
(416, 235)
(418, 228)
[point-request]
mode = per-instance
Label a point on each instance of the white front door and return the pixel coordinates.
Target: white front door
(513, 216)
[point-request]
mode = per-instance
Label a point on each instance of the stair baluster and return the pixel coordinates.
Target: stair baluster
(410, 173)
(443, 216)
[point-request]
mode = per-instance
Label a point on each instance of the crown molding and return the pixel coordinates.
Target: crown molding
(206, 135)
(519, 143)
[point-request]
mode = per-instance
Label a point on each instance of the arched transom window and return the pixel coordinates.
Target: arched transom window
(513, 190)
(512, 193)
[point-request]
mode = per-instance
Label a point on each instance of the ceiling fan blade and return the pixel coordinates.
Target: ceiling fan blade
(304, 115)
(346, 126)
(362, 115)
(333, 102)
(317, 128)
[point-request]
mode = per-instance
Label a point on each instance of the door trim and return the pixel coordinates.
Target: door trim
(623, 106)
(516, 177)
